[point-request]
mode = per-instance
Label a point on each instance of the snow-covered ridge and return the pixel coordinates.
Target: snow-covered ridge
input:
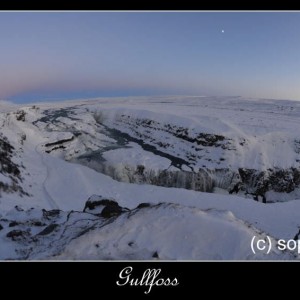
(113, 232)
(256, 164)
(218, 143)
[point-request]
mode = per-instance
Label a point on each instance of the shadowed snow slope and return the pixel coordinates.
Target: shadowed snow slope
(167, 232)
(162, 231)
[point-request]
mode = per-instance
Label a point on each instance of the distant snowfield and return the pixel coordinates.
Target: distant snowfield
(62, 147)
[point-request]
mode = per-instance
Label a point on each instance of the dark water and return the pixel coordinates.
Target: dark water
(123, 139)
(53, 114)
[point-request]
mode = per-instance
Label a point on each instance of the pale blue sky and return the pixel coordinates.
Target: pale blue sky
(61, 55)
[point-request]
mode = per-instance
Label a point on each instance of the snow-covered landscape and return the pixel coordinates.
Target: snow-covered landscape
(155, 178)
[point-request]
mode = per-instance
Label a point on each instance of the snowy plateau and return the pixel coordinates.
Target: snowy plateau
(150, 178)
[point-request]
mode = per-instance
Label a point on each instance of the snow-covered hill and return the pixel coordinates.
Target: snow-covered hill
(185, 156)
(108, 231)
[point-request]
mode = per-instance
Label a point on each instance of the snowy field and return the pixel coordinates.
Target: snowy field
(212, 172)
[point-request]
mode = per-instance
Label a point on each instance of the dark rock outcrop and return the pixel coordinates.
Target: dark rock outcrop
(50, 228)
(13, 224)
(105, 208)
(20, 115)
(9, 169)
(143, 205)
(16, 235)
(111, 210)
(49, 214)
(258, 183)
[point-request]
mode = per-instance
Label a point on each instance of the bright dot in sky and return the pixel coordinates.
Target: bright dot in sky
(223, 31)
